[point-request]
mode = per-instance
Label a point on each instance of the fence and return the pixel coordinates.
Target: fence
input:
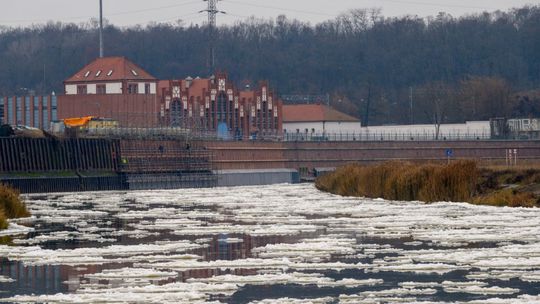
(385, 136)
(181, 134)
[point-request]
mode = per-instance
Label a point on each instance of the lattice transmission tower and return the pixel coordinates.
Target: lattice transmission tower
(212, 11)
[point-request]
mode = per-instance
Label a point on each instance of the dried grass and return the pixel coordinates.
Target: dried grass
(404, 181)
(3, 220)
(11, 206)
(507, 197)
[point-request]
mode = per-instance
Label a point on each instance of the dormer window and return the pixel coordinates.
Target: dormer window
(134, 73)
(87, 74)
(98, 73)
(110, 73)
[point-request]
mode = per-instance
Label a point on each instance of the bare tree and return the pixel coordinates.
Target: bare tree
(436, 100)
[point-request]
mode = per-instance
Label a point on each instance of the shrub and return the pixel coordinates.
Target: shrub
(404, 181)
(507, 197)
(11, 204)
(3, 220)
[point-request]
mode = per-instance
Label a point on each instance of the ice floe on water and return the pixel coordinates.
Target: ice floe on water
(15, 229)
(4, 279)
(208, 245)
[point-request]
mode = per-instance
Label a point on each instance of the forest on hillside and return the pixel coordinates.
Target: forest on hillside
(380, 69)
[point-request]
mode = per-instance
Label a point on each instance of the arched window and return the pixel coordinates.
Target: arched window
(222, 107)
(176, 113)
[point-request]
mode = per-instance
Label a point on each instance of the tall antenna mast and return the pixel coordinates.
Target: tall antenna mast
(212, 12)
(100, 28)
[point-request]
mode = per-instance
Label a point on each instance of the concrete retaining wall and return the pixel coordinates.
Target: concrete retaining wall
(227, 178)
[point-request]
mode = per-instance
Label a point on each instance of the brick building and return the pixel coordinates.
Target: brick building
(111, 87)
(216, 104)
(116, 88)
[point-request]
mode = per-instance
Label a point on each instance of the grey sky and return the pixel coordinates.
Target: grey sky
(130, 12)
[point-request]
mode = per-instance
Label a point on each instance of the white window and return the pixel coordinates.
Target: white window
(87, 74)
(110, 73)
(134, 73)
(98, 73)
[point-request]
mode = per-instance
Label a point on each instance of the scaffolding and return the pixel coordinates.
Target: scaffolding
(167, 164)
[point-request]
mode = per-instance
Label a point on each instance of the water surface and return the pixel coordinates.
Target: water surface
(269, 244)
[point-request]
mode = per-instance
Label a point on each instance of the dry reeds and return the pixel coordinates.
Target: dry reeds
(3, 220)
(11, 205)
(507, 197)
(404, 181)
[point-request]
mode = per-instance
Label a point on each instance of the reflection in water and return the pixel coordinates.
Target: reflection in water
(32, 279)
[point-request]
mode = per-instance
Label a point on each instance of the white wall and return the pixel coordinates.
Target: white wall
(320, 127)
(91, 88)
(471, 129)
(141, 88)
(449, 130)
(71, 89)
(114, 88)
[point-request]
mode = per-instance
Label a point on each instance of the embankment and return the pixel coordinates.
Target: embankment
(460, 181)
(92, 164)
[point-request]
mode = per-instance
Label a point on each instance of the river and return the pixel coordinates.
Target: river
(267, 244)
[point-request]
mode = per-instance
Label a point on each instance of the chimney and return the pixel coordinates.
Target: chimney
(189, 81)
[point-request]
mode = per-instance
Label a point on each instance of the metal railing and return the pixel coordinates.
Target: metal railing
(176, 133)
(386, 136)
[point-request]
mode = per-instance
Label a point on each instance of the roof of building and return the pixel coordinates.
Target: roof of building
(110, 69)
(313, 113)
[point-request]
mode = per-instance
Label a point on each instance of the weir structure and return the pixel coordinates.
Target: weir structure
(35, 165)
(127, 162)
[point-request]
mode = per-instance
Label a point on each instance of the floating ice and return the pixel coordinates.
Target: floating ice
(131, 273)
(4, 279)
(90, 256)
(15, 229)
(283, 233)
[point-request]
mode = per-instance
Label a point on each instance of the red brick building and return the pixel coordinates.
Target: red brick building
(111, 87)
(116, 88)
(217, 104)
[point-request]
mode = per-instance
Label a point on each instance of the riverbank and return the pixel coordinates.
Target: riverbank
(11, 206)
(460, 181)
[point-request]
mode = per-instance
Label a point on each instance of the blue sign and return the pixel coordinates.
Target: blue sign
(449, 153)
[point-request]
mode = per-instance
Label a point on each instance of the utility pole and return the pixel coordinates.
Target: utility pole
(212, 11)
(100, 28)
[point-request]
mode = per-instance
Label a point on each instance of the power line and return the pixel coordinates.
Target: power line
(153, 9)
(439, 5)
(183, 3)
(282, 9)
(195, 15)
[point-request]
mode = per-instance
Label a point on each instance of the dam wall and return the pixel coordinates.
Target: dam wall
(311, 155)
(85, 164)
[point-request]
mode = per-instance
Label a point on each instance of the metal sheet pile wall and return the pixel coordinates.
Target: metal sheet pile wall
(27, 155)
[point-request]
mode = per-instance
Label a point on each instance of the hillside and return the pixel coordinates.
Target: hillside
(370, 64)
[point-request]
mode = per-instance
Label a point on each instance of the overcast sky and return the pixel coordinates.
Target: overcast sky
(131, 12)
